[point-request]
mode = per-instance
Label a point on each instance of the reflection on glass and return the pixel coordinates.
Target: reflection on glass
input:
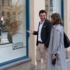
(51, 3)
(5, 34)
(53, 6)
(17, 42)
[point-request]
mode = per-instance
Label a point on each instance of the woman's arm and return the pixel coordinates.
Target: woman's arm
(56, 41)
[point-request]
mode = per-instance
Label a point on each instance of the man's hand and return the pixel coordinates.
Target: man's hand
(53, 56)
(45, 47)
(30, 31)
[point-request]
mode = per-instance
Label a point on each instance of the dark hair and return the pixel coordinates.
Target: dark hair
(42, 11)
(56, 19)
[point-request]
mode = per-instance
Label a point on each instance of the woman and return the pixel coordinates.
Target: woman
(56, 51)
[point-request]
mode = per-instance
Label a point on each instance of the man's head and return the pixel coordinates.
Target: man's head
(42, 15)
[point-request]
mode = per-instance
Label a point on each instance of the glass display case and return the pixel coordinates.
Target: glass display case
(53, 6)
(13, 37)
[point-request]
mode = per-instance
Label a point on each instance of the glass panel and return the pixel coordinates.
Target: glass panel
(12, 30)
(52, 7)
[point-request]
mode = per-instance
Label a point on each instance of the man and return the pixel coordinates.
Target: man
(43, 37)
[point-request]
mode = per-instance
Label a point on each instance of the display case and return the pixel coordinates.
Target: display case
(53, 6)
(13, 38)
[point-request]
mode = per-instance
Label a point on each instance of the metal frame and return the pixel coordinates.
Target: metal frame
(62, 10)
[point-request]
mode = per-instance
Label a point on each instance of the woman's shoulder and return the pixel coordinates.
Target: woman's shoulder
(58, 27)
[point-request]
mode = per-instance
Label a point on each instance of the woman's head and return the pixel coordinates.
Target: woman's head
(56, 19)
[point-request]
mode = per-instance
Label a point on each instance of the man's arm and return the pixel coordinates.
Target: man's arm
(66, 41)
(32, 32)
(49, 26)
(35, 33)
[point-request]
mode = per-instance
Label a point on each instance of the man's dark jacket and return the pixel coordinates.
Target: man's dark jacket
(45, 34)
(66, 41)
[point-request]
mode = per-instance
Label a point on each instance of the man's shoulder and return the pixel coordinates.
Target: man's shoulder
(47, 21)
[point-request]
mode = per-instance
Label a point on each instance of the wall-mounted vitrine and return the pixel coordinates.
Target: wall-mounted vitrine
(13, 26)
(54, 6)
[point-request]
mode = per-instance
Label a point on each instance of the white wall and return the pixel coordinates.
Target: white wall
(35, 7)
(67, 17)
(38, 5)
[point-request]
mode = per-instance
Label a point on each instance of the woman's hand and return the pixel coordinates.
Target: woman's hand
(53, 59)
(53, 56)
